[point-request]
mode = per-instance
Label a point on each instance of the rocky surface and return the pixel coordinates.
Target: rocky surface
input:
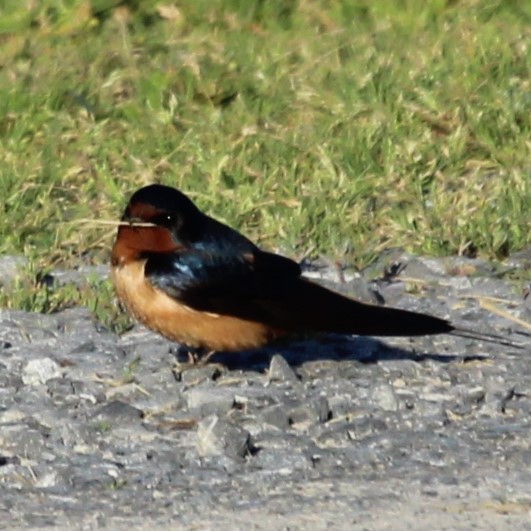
(101, 431)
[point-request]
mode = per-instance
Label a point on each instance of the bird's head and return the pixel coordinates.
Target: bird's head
(158, 219)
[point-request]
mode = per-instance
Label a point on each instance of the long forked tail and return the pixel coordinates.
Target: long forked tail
(486, 337)
(309, 306)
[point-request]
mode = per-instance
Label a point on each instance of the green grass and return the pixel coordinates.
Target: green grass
(30, 293)
(340, 127)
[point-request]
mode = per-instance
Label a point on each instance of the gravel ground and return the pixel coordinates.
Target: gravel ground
(101, 431)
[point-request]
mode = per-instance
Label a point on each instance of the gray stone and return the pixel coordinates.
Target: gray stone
(80, 276)
(210, 400)
(282, 462)
(10, 268)
(473, 395)
(280, 371)
(369, 428)
(216, 436)
(384, 397)
(118, 413)
(310, 411)
(275, 416)
(39, 371)
(195, 375)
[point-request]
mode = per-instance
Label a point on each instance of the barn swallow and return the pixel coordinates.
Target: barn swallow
(199, 282)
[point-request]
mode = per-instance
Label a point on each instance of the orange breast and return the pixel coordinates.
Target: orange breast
(180, 323)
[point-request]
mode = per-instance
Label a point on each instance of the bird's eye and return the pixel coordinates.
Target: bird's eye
(166, 220)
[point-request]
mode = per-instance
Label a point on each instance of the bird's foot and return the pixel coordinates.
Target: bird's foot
(197, 358)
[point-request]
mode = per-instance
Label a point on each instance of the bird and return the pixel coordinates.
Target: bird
(198, 282)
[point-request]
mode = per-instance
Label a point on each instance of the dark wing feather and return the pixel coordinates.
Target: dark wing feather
(267, 288)
(223, 272)
(236, 284)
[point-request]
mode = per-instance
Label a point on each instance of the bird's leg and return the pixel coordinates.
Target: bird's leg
(205, 357)
(193, 356)
(197, 357)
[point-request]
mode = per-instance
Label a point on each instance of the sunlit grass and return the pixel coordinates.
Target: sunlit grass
(340, 128)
